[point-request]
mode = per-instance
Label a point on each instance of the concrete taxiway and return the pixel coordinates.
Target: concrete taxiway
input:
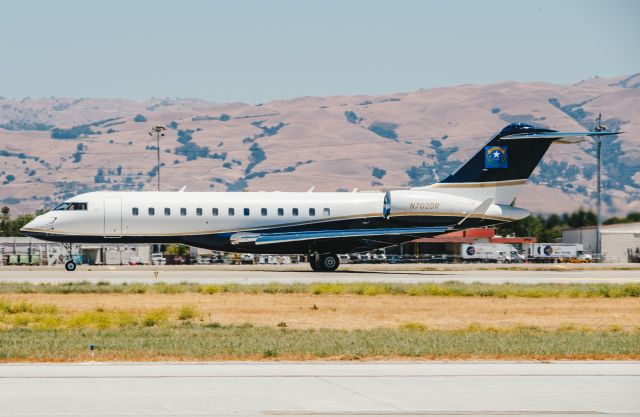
(321, 389)
(301, 273)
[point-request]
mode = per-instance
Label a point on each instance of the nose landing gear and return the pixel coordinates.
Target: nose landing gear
(324, 263)
(70, 265)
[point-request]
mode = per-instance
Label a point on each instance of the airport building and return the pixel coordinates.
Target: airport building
(447, 247)
(30, 251)
(620, 242)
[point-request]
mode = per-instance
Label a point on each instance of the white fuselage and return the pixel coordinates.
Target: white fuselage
(189, 213)
(210, 219)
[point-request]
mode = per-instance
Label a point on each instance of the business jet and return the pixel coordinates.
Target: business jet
(317, 224)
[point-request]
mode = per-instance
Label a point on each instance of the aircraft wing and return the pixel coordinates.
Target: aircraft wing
(284, 237)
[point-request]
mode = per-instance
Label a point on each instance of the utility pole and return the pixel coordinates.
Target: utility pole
(159, 131)
(599, 128)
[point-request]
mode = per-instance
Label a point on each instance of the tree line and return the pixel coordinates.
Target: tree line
(11, 226)
(548, 228)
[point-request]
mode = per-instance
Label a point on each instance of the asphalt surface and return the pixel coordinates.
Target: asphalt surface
(321, 389)
(301, 274)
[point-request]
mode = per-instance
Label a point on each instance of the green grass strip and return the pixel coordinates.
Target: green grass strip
(450, 288)
(195, 342)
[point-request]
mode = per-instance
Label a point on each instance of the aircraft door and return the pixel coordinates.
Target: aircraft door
(112, 217)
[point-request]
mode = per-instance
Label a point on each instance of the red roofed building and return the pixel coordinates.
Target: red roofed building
(450, 243)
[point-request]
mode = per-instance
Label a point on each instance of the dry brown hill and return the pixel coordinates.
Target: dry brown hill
(53, 148)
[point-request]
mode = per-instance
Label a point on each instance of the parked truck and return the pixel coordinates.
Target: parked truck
(490, 252)
(558, 252)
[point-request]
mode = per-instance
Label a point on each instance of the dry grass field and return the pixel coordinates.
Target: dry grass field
(318, 321)
(345, 311)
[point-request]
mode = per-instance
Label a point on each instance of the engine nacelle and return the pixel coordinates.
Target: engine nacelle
(401, 203)
(409, 202)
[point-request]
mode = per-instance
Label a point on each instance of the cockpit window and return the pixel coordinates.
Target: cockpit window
(62, 206)
(78, 206)
(71, 207)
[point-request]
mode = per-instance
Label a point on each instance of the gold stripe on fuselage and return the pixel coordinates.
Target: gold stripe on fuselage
(445, 214)
(209, 232)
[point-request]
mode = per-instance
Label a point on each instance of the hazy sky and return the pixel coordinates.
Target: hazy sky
(255, 51)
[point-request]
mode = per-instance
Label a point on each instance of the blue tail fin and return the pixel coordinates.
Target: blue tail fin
(500, 168)
(503, 160)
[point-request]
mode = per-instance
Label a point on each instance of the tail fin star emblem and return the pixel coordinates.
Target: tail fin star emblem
(496, 157)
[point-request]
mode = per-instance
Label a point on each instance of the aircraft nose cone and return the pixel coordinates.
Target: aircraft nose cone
(25, 230)
(34, 227)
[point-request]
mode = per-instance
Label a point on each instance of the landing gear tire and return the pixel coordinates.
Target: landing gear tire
(70, 266)
(313, 261)
(329, 263)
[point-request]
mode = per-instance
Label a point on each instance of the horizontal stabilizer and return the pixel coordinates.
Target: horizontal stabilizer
(554, 135)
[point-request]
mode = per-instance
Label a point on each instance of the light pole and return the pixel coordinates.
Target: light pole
(159, 131)
(599, 128)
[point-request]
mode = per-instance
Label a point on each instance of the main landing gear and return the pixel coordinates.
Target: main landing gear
(324, 263)
(70, 265)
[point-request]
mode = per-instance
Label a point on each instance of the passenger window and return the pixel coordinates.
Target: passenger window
(263, 211)
(134, 211)
(167, 211)
(280, 212)
(232, 211)
(312, 212)
(294, 211)
(183, 211)
(247, 211)
(198, 212)
(326, 212)
(152, 211)
(214, 212)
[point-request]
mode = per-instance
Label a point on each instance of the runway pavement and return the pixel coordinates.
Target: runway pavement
(301, 274)
(321, 389)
